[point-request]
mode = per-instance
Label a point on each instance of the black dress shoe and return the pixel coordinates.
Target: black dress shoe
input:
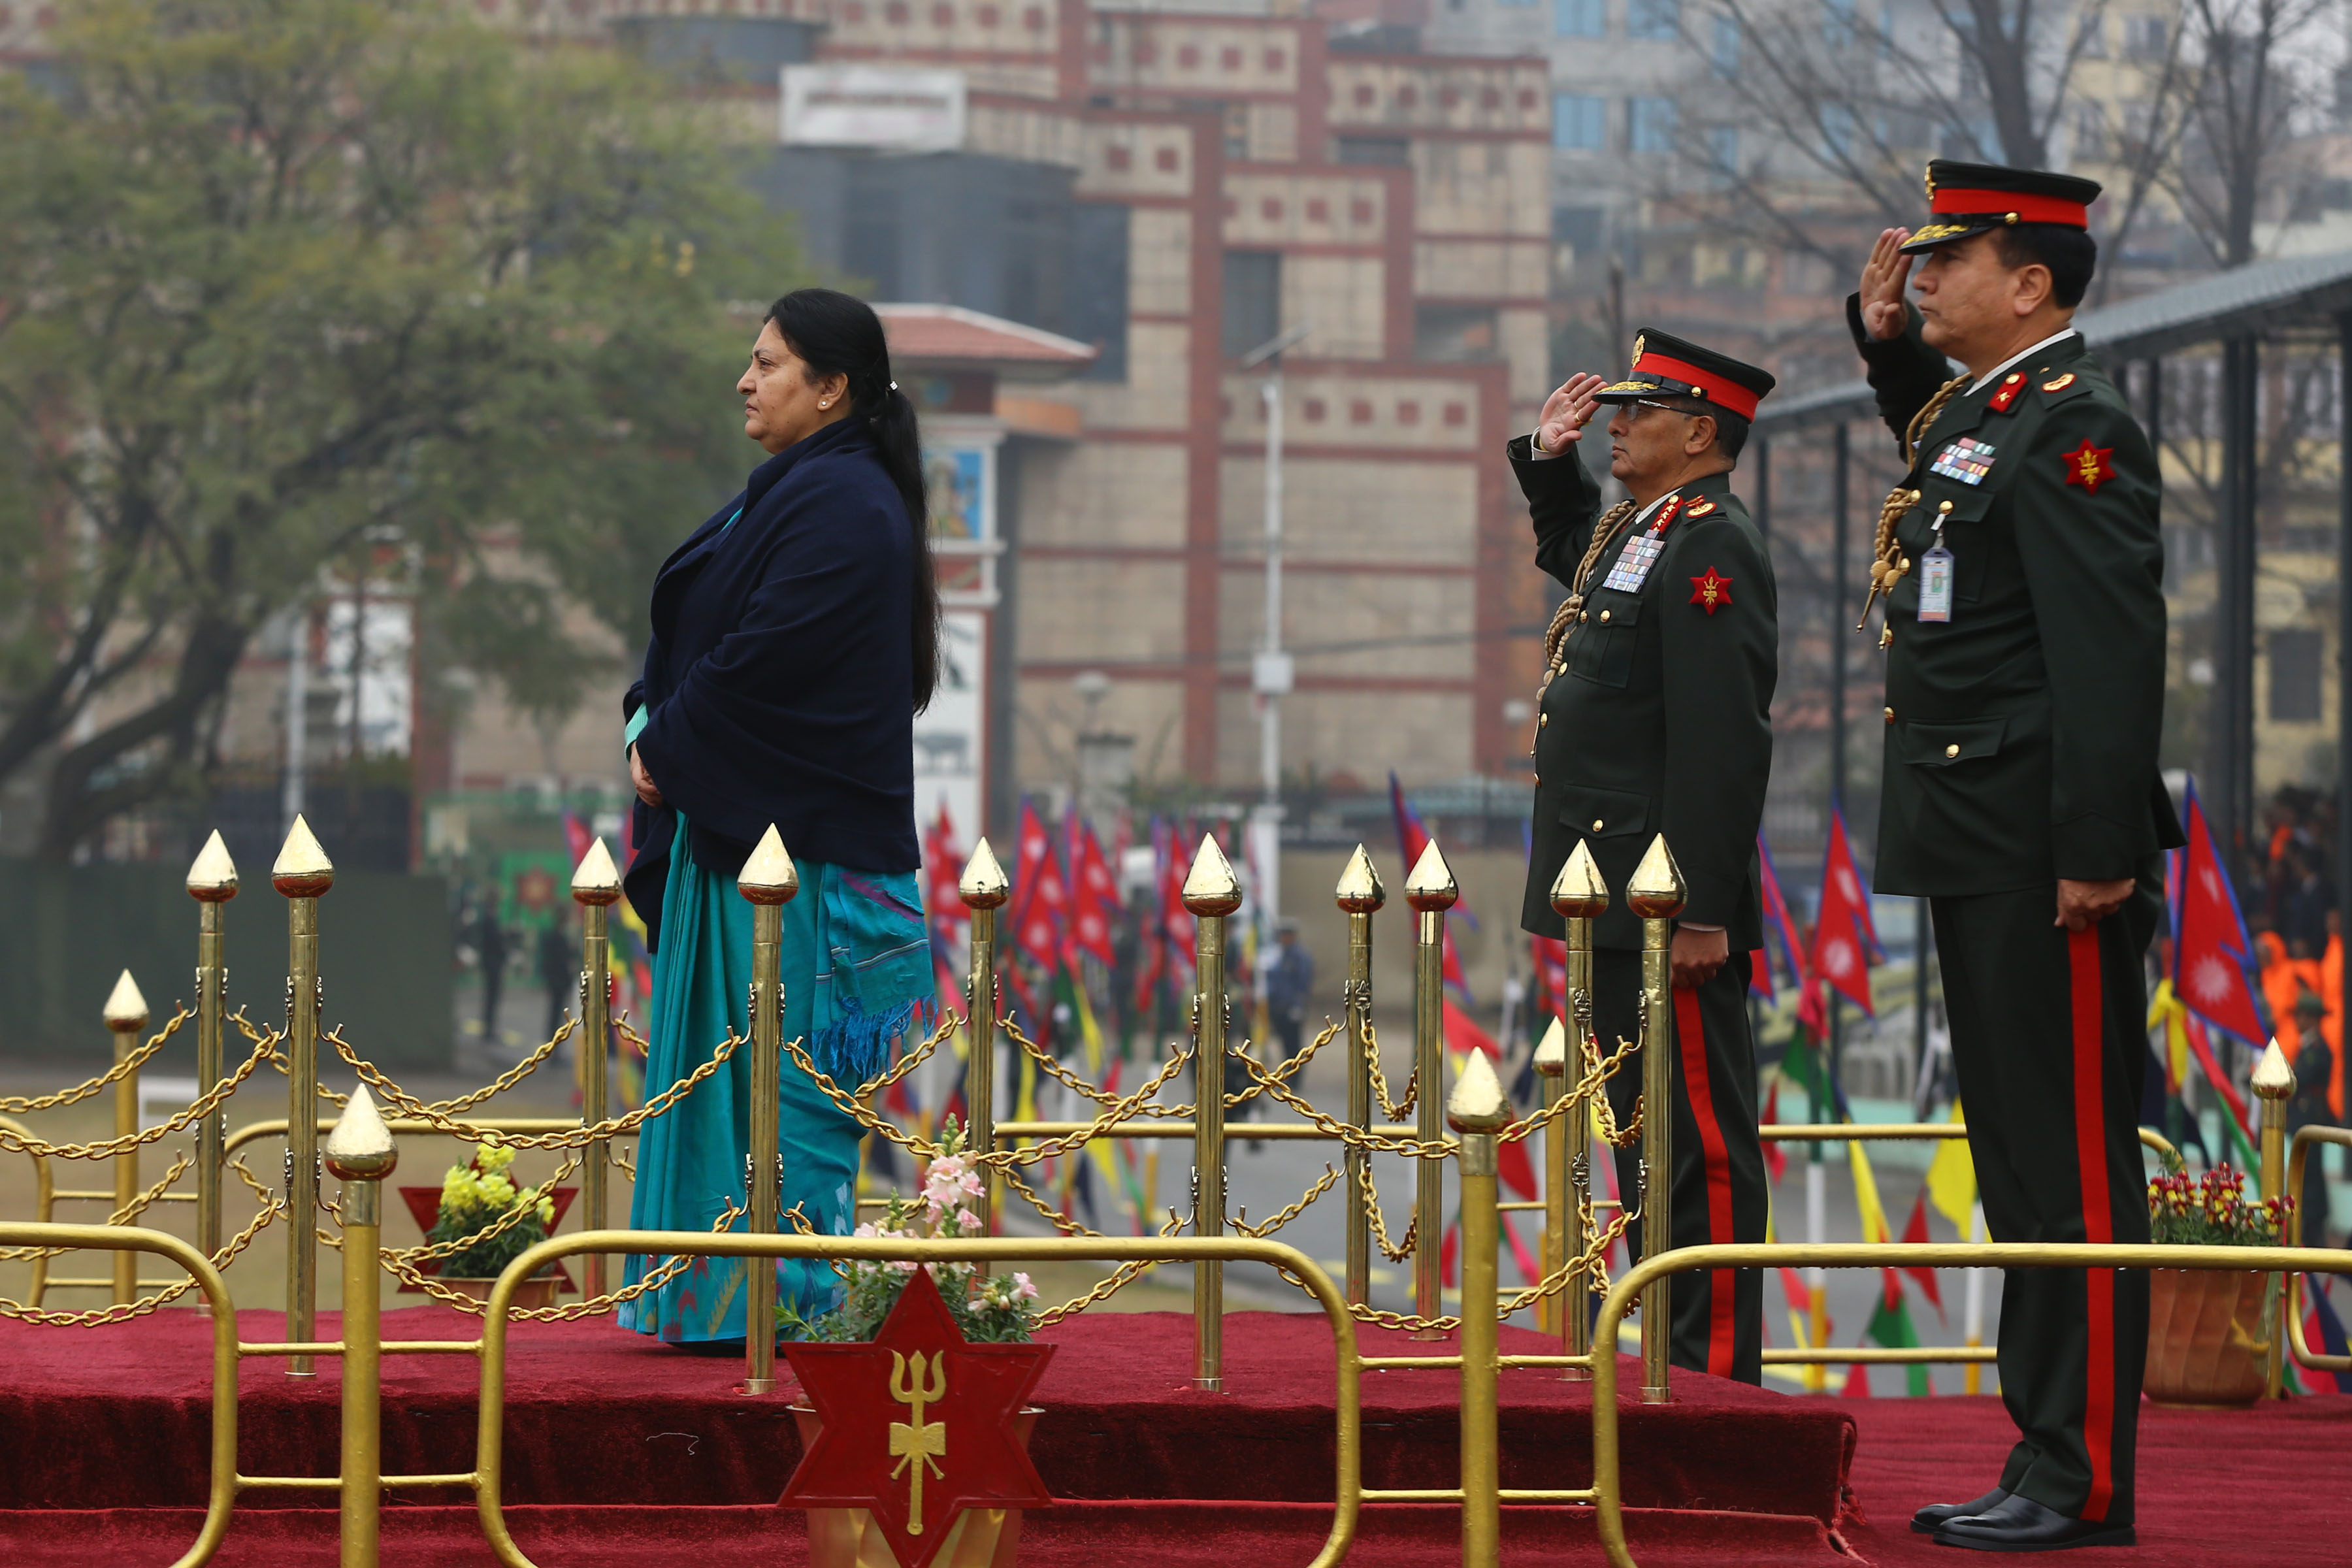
(2021, 1524)
(1931, 1519)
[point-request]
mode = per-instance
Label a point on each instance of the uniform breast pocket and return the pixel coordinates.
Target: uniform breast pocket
(1965, 533)
(1601, 650)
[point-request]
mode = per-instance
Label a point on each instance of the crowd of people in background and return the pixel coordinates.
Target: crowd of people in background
(2296, 923)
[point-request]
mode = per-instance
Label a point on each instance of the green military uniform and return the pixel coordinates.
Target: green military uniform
(1655, 717)
(2024, 632)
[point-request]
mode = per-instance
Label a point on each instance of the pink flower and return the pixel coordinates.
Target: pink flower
(1023, 1289)
(967, 1220)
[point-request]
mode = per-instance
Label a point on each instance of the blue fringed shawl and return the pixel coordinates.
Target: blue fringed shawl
(872, 961)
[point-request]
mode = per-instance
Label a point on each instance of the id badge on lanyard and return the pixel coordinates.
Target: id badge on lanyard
(1935, 580)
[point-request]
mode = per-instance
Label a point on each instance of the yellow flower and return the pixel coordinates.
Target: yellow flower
(547, 1211)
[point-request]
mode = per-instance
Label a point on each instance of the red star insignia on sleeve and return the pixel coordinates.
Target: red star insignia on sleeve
(2089, 466)
(1714, 591)
(917, 1425)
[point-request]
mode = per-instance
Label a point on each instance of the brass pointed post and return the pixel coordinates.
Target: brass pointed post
(983, 888)
(302, 874)
(1655, 893)
(768, 880)
(1578, 897)
(126, 1014)
(1431, 890)
(1211, 892)
(595, 888)
(1478, 1110)
(1361, 894)
(211, 882)
(2274, 1085)
(359, 1153)
(1551, 1069)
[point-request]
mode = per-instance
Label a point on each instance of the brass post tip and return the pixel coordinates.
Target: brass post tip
(1656, 888)
(212, 878)
(360, 1147)
(596, 880)
(1551, 1051)
(1430, 885)
(769, 877)
(126, 1009)
(2273, 1079)
(1477, 1103)
(1360, 889)
(984, 885)
(1578, 893)
(1210, 887)
(303, 871)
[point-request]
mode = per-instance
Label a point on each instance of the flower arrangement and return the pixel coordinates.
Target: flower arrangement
(994, 1309)
(479, 1196)
(2213, 1210)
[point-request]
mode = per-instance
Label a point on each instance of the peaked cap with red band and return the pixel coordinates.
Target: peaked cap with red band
(1668, 367)
(1976, 198)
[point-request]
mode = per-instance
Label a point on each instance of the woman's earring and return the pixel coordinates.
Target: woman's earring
(825, 402)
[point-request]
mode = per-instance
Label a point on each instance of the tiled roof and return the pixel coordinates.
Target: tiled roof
(948, 336)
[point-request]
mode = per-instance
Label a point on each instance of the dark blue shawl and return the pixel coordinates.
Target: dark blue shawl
(779, 680)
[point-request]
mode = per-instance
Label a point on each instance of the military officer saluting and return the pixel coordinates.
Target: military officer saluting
(2021, 571)
(1655, 717)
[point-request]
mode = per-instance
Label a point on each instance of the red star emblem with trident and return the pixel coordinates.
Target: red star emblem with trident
(2088, 466)
(1714, 591)
(918, 1425)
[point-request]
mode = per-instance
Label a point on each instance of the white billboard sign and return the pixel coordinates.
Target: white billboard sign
(872, 106)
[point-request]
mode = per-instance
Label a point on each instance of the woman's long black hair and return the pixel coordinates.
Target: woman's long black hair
(839, 334)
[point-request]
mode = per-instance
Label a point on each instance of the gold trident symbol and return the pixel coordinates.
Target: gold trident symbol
(915, 1441)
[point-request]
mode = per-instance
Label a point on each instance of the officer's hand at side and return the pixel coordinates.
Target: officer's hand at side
(2082, 905)
(1567, 411)
(1698, 955)
(1882, 278)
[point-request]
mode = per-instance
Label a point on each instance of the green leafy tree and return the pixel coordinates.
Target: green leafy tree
(291, 288)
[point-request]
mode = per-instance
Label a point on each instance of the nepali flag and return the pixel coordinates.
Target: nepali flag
(942, 869)
(577, 838)
(1413, 838)
(1041, 899)
(1779, 924)
(1094, 899)
(1844, 939)
(2211, 951)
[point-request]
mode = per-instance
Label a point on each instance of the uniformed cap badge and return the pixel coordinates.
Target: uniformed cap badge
(1668, 367)
(1965, 199)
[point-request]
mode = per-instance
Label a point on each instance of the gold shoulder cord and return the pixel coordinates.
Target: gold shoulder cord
(1886, 556)
(1603, 532)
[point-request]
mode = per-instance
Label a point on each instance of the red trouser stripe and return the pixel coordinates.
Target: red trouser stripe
(2098, 1221)
(1690, 1034)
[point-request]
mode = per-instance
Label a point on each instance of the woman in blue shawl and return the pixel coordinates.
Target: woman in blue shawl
(795, 634)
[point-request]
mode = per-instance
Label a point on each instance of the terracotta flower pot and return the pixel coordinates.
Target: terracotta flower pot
(848, 1538)
(2205, 1338)
(534, 1292)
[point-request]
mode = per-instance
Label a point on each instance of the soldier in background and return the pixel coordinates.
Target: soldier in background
(2022, 571)
(1655, 717)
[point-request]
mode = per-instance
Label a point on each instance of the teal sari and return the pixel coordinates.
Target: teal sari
(857, 976)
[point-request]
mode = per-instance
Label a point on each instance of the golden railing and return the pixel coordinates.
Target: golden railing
(359, 1149)
(304, 875)
(1970, 1355)
(1650, 1272)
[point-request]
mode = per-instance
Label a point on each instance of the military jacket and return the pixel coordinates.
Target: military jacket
(1661, 720)
(2021, 733)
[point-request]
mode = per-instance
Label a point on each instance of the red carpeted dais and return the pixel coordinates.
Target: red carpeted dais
(118, 1418)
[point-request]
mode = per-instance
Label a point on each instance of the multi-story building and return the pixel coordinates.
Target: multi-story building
(1393, 210)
